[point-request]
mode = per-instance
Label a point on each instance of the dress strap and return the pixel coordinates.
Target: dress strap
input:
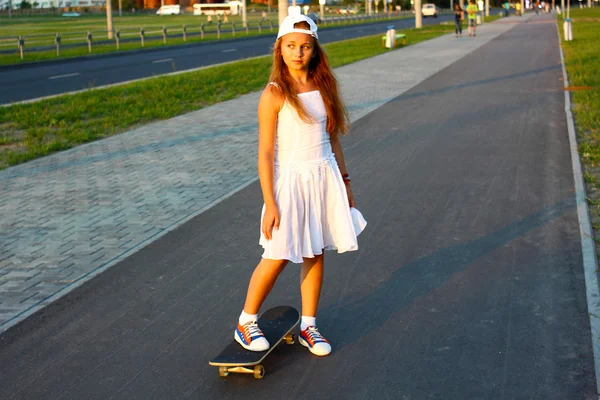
(274, 84)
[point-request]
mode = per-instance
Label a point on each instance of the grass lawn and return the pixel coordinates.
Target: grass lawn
(41, 31)
(582, 60)
(33, 130)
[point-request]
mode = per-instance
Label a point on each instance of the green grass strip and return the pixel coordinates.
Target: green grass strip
(582, 61)
(37, 129)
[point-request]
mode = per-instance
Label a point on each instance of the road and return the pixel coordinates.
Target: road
(468, 283)
(35, 81)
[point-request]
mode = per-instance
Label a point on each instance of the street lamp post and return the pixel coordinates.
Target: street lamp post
(109, 24)
(418, 14)
(244, 18)
(322, 7)
(283, 5)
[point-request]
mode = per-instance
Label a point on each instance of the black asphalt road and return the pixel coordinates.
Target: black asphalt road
(468, 283)
(31, 82)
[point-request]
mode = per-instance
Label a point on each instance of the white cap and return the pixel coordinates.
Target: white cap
(287, 26)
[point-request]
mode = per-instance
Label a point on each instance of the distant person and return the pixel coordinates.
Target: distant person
(472, 16)
(458, 17)
(506, 6)
(308, 203)
(209, 19)
(264, 15)
(225, 19)
(518, 8)
(536, 6)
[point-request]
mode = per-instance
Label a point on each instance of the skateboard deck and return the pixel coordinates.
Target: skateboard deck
(277, 325)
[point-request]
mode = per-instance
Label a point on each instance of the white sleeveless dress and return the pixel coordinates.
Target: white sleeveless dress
(309, 190)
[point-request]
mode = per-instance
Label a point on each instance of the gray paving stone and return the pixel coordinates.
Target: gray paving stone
(65, 216)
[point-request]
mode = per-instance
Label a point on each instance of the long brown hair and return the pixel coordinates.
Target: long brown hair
(320, 72)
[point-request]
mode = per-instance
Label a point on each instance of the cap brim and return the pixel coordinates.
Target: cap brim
(297, 30)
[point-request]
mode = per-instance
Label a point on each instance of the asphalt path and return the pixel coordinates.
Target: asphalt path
(468, 283)
(30, 82)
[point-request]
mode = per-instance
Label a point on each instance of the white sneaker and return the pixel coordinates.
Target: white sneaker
(251, 337)
(312, 339)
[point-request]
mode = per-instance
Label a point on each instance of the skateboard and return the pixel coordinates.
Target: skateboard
(277, 325)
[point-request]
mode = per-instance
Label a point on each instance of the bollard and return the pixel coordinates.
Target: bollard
(233, 28)
(142, 36)
(390, 37)
(89, 40)
(271, 25)
(164, 32)
(201, 31)
(118, 39)
(259, 27)
(57, 41)
(568, 30)
(184, 30)
(219, 30)
(21, 43)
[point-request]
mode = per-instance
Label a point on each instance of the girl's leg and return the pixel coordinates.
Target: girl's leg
(262, 281)
(247, 333)
(311, 281)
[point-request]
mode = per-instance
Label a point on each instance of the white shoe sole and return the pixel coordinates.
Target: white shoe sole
(305, 344)
(237, 339)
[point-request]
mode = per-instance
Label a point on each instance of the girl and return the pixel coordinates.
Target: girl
(458, 17)
(304, 181)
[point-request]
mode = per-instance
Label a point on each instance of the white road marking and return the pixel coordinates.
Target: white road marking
(162, 61)
(185, 71)
(229, 50)
(64, 76)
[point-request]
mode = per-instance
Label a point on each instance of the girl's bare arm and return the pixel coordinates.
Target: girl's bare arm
(269, 106)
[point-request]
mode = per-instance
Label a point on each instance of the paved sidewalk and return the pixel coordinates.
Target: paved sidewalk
(67, 217)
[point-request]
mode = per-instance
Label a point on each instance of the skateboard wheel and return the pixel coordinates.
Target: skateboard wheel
(290, 339)
(259, 371)
(223, 371)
